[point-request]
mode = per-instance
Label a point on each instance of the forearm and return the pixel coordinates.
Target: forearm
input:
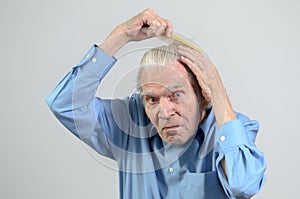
(114, 41)
(79, 86)
(223, 111)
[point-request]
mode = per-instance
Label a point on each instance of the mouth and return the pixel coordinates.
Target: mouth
(171, 128)
(171, 133)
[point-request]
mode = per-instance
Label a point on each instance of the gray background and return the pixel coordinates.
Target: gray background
(254, 43)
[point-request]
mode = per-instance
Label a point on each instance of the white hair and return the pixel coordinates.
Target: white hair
(162, 56)
(159, 56)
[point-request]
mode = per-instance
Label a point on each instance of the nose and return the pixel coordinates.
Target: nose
(166, 108)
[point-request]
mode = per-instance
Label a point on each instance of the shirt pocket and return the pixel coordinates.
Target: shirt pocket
(202, 186)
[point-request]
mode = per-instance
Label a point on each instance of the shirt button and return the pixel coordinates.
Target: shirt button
(171, 170)
(94, 60)
(222, 138)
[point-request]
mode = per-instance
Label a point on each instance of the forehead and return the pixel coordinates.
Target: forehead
(165, 76)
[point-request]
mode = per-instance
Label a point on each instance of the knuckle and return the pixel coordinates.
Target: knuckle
(145, 13)
(149, 11)
(154, 22)
(163, 24)
(169, 24)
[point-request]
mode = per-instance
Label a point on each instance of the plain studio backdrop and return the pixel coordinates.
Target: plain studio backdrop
(255, 45)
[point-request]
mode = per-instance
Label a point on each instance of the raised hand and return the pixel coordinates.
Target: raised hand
(145, 25)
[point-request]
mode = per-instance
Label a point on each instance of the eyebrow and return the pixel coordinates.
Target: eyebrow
(175, 86)
(170, 89)
(146, 93)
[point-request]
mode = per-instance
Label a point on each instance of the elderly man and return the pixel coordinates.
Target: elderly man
(178, 137)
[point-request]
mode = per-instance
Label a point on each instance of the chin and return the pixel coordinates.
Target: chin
(176, 139)
(176, 142)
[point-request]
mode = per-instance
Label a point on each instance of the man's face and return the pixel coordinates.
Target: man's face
(170, 102)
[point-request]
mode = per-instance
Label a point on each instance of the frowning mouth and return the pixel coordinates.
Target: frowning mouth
(171, 128)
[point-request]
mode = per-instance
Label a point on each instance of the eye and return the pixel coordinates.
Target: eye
(151, 100)
(178, 94)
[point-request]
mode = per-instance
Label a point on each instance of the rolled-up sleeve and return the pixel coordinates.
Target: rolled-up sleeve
(245, 164)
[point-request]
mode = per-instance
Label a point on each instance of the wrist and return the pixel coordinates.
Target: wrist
(222, 108)
(114, 41)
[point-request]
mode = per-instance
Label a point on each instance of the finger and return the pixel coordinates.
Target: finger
(201, 81)
(156, 25)
(188, 52)
(166, 27)
(169, 28)
(195, 70)
(159, 32)
(154, 30)
(151, 18)
(195, 56)
(161, 27)
(151, 25)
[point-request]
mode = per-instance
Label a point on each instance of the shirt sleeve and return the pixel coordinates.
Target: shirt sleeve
(245, 164)
(73, 100)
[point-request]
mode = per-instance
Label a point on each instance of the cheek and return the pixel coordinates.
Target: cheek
(151, 115)
(192, 113)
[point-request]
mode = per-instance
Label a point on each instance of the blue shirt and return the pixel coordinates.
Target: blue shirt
(149, 168)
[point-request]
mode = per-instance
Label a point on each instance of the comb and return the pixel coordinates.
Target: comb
(180, 40)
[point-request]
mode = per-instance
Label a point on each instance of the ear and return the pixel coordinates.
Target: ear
(204, 105)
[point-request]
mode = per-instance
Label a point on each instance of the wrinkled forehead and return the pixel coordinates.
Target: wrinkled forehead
(166, 76)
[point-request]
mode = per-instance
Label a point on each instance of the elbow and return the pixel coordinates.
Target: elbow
(50, 104)
(63, 113)
(53, 106)
(246, 173)
(57, 107)
(243, 192)
(251, 186)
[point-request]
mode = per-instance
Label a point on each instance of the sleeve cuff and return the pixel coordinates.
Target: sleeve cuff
(97, 62)
(233, 134)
